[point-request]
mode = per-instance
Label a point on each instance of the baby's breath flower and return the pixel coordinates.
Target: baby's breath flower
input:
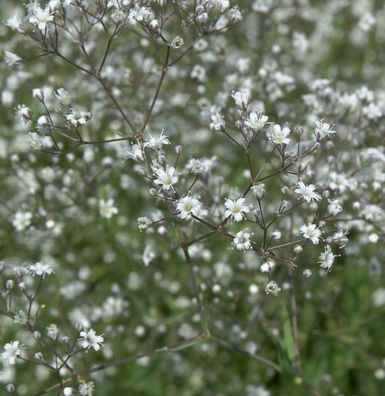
(242, 241)
(310, 231)
(107, 208)
(22, 220)
(89, 339)
(236, 209)
(280, 135)
(166, 178)
(12, 350)
(326, 258)
(307, 192)
(40, 269)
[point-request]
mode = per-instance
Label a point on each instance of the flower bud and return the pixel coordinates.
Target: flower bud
(9, 285)
(38, 94)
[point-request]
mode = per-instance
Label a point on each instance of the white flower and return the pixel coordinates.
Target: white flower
(241, 98)
(217, 121)
(334, 207)
(36, 143)
(86, 389)
(307, 192)
(63, 96)
(14, 23)
(262, 6)
(202, 165)
(11, 351)
(256, 121)
(242, 241)
(235, 209)
(12, 59)
(326, 258)
(372, 111)
(52, 331)
(77, 118)
(272, 288)
(136, 153)
(166, 178)
(280, 135)
(267, 266)
(258, 190)
(156, 142)
(323, 129)
(67, 391)
(43, 121)
(188, 206)
(366, 21)
(41, 17)
(40, 269)
(89, 339)
(177, 42)
(107, 209)
(310, 231)
(22, 220)
(235, 14)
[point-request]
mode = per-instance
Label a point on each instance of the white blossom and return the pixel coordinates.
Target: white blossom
(40, 269)
(12, 350)
(89, 339)
(326, 258)
(166, 178)
(310, 231)
(107, 208)
(242, 241)
(22, 220)
(307, 192)
(280, 135)
(236, 209)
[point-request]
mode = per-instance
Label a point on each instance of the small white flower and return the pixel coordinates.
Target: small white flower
(241, 98)
(136, 153)
(177, 42)
(280, 135)
(89, 339)
(12, 59)
(86, 389)
(107, 208)
(323, 129)
(272, 288)
(307, 192)
(217, 122)
(67, 391)
(310, 231)
(14, 23)
(41, 17)
(12, 350)
(40, 269)
(267, 266)
(236, 209)
(63, 96)
(373, 111)
(188, 206)
(22, 220)
(235, 14)
(52, 331)
(156, 142)
(242, 241)
(258, 190)
(334, 207)
(36, 143)
(166, 178)
(78, 118)
(326, 258)
(256, 121)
